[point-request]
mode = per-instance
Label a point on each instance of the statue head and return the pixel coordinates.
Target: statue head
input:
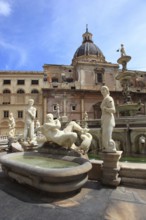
(30, 102)
(49, 117)
(11, 115)
(104, 90)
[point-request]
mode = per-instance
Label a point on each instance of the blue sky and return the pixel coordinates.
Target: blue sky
(38, 32)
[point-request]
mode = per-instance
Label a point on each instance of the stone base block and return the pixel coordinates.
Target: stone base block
(111, 168)
(111, 159)
(111, 182)
(96, 172)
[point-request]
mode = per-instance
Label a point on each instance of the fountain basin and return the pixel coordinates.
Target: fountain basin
(129, 108)
(37, 170)
(125, 75)
(124, 59)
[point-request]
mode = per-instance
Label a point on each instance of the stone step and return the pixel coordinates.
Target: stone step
(133, 182)
(133, 175)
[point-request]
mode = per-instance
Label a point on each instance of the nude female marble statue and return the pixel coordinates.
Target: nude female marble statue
(107, 120)
(30, 114)
(11, 125)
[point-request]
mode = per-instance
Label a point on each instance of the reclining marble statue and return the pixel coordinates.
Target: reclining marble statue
(107, 120)
(67, 137)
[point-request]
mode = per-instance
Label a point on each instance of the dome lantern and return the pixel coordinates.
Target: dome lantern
(88, 51)
(87, 36)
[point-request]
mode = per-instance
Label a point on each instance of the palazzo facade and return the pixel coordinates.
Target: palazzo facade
(74, 88)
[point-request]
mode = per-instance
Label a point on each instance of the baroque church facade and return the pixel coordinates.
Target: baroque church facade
(74, 88)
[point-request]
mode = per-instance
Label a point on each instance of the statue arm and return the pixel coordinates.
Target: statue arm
(111, 110)
(51, 125)
(111, 106)
(11, 123)
(58, 124)
(40, 128)
(32, 113)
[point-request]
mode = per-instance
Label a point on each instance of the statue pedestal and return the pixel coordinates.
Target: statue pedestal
(111, 168)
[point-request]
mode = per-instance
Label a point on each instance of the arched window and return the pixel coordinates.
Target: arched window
(34, 91)
(20, 96)
(54, 79)
(6, 96)
(69, 79)
(35, 95)
(6, 91)
(20, 91)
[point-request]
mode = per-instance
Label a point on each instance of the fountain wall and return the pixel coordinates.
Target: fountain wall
(129, 135)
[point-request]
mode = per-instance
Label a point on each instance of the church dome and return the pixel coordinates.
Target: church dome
(88, 48)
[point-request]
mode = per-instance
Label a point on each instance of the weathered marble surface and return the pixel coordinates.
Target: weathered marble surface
(67, 137)
(111, 168)
(12, 125)
(58, 180)
(30, 115)
(107, 120)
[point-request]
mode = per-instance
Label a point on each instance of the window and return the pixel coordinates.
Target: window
(63, 77)
(54, 79)
(6, 91)
(34, 91)
(55, 107)
(6, 96)
(99, 75)
(99, 78)
(45, 77)
(69, 79)
(73, 107)
(35, 95)
(6, 114)
(34, 82)
(20, 91)
(6, 82)
(55, 86)
(73, 87)
(20, 96)
(20, 114)
(20, 82)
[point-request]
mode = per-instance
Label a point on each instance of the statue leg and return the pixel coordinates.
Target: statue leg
(25, 133)
(106, 136)
(66, 139)
(107, 141)
(73, 126)
(31, 131)
(104, 140)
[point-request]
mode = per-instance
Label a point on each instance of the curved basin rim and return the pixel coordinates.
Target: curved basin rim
(83, 167)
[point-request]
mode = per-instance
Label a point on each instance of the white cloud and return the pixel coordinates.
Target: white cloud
(5, 8)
